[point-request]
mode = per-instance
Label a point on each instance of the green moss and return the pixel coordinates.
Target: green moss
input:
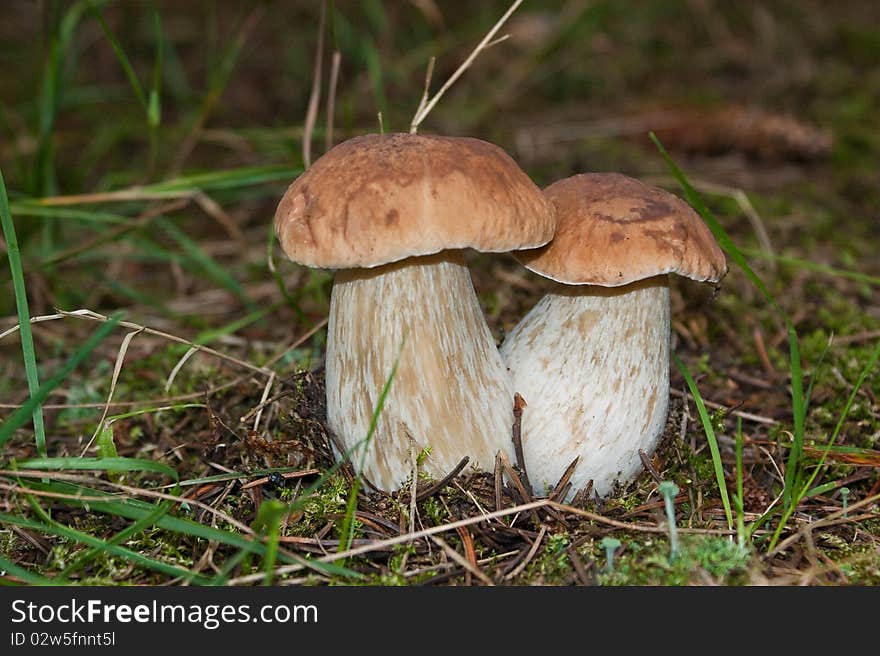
(551, 566)
(329, 499)
(648, 562)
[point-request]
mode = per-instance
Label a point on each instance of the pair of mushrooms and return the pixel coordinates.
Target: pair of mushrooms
(392, 213)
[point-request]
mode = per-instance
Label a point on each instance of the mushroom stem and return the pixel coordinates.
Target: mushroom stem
(592, 363)
(451, 394)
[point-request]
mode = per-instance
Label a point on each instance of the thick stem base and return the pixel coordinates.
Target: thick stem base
(451, 393)
(592, 364)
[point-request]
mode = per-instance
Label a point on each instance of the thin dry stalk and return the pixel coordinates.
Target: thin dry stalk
(829, 520)
(335, 62)
(531, 554)
(315, 95)
(90, 315)
(212, 208)
(57, 495)
(429, 73)
(110, 235)
(485, 43)
(748, 416)
(402, 539)
(287, 476)
(117, 368)
(266, 390)
(461, 560)
(413, 489)
(442, 483)
(177, 367)
(131, 492)
(518, 404)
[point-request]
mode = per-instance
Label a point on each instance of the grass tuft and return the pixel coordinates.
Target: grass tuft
(21, 303)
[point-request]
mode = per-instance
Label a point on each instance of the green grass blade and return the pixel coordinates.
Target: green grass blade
(799, 411)
(52, 526)
(20, 415)
(25, 208)
(103, 464)
(43, 180)
(237, 178)
(821, 489)
(739, 501)
(21, 303)
(724, 240)
(154, 104)
(869, 366)
(120, 56)
(348, 525)
(792, 473)
(815, 267)
(269, 516)
(279, 280)
(128, 532)
(135, 510)
(29, 577)
(228, 179)
(205, 262)
(710, 437)
(207, 336)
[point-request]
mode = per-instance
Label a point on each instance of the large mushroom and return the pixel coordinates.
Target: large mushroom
(591, 359)
(391, 213)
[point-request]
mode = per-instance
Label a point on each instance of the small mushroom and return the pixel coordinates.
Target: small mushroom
(391, 213)
(591, 358)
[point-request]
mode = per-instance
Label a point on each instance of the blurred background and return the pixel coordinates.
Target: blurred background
(145, 145)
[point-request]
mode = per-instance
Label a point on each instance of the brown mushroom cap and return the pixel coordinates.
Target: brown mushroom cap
(613, 230)
(380, 198)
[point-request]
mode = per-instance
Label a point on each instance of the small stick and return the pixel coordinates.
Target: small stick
(461, 560)
(446, 480)
(515, 479)
(649, 466)
(518, 404)
(583, 495)
(413, 489)
(578, 566)
(531, 554)
(468, 543)
(499, 480)
(563, 483)
(748, 416)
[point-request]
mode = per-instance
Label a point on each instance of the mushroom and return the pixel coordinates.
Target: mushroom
(391, 214)
(591, 359)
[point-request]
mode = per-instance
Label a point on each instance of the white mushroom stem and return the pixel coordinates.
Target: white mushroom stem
(592, 364)
(451, 393)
